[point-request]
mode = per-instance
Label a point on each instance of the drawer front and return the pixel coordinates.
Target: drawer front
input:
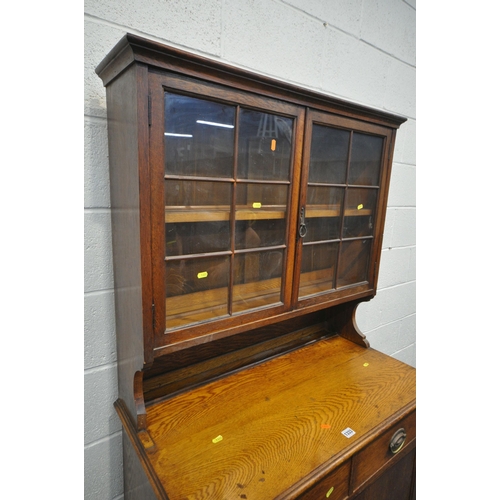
(335, 486)
(378, 454)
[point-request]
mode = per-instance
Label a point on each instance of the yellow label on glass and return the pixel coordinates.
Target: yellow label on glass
(360, 206)
(204, 274)
(273, 145)
(257, 204)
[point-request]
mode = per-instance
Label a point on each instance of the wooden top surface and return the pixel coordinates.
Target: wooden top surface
(259, 431)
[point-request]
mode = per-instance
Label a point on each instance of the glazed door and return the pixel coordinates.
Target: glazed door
(222, 217)
(339, 224)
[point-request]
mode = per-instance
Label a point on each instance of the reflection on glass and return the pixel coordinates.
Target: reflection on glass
(327, 165)
(257, 279)
(260, 233)
(184, 194)
(342, 191)
(329, 152)
(199, 137)
(198, 274)
(359, 212)
(317, 271)
(260, 215)
(366, 159)
(323, 212)
(353, 264)
(264, 146)
(196, 290)
(265, 195)
(225, 237)
(196, 217)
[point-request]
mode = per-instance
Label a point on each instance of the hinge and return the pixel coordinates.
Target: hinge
(149, 110)
(153, 310)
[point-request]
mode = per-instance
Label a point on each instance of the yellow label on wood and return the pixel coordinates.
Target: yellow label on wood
(257, 204)
(204, 274)
(329, 492)
(217, 439)
(273, 145)
(360, 206)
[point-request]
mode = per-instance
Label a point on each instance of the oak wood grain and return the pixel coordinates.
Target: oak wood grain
(260, 431)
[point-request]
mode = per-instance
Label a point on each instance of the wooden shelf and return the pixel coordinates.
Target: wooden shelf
(315, 211)
(212, 213)
(212, 304)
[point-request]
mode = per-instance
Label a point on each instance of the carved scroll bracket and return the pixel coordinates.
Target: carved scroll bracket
(343, 322)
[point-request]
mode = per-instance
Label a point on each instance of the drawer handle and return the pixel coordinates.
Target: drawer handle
(397, 440)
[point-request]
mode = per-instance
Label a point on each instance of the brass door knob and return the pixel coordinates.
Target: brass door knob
(397, 440)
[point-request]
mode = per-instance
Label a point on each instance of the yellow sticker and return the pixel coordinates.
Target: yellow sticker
(217, 439)
(360, 206)
(204, 274)
(273, 145)
(256, 204)
(366, 364)
(329, 492)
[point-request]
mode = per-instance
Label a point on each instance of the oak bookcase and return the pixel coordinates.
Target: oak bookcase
(247, 223)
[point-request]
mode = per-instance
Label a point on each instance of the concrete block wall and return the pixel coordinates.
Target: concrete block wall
(360, 50)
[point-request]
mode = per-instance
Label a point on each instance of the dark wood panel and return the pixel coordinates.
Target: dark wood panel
(377, 455)
(201, 352)
(398, 482)
(128, 243)
(335, 486)
(169, 382)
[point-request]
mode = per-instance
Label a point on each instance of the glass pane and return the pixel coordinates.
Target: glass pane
(260, 233)
(317, 271)
(260, 215)
(366, 157)
(323, 213)
(359, 212)
(354, 259)
(329, 151)
(257, 279)
(199, 137)
(196, 290)
(196, 217)
(264, 146)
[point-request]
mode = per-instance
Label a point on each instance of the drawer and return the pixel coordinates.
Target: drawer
(335, 486)
(378, 454)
